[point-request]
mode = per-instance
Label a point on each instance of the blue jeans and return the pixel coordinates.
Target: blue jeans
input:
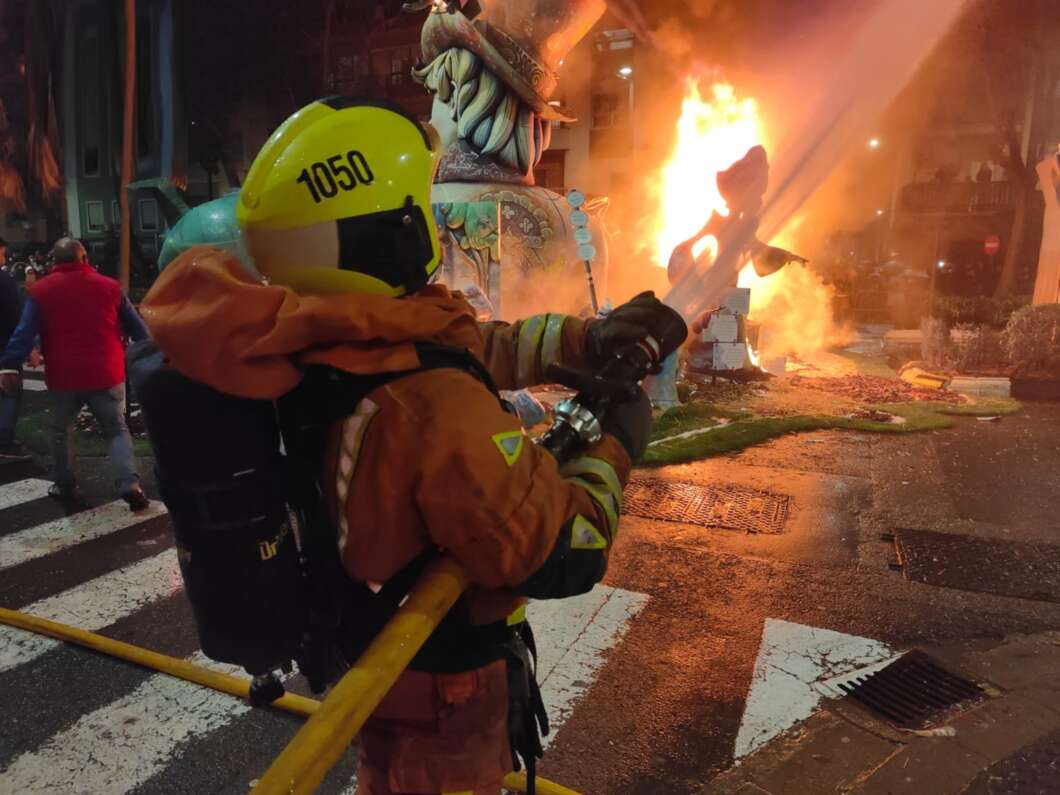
(108, 407)
(9, 407)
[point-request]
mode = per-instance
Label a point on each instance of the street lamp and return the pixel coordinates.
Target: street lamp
(874, 143)
(879, 211)
(625, 71)
(941, 264)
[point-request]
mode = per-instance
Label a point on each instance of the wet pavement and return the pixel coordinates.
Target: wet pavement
(658, 703)
(1007, 472)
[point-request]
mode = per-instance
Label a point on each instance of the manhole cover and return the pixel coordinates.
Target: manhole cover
(730, 507)
(1007, 568)
(914, 692)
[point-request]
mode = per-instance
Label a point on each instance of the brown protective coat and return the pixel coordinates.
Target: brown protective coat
(427, 471)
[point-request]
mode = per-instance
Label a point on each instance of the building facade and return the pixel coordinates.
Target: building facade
(92, 125)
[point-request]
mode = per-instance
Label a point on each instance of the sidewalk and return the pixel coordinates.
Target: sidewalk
(1008, 744)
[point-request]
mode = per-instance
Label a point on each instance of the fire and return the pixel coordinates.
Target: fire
(712, 134)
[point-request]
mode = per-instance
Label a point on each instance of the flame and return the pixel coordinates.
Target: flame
(712, 134)
(794, 304)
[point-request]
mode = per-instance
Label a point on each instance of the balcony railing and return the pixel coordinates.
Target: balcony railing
(958, 198)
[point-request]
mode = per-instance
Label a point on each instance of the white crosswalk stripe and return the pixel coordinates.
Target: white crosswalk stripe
(21, 491)
(69, 531)
(138, 739)
(92, 605)
(118, 747)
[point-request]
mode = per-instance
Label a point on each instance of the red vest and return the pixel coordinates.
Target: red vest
(79, 328)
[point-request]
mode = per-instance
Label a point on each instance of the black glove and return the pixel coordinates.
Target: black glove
(630, 423)
(642, 317)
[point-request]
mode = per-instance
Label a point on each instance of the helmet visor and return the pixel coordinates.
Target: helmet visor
(394, 246)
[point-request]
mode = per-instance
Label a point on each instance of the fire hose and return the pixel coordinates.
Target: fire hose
(434, 589)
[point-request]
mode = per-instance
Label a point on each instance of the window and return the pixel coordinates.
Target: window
(604, 111)
(92, 104)
(549, 172)
(401, 62)
(148, 215)
(147, 133)
(94, 212)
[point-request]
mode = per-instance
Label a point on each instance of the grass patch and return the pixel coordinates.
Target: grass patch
(34, 431)
(748, 431)
(690, 417)
(984, 407)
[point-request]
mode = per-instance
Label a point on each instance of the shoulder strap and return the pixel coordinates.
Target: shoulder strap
(327, 395)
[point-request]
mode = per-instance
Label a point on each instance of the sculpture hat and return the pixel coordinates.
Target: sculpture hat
(521, 41)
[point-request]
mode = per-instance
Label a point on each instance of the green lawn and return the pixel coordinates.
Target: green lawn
(745, 431)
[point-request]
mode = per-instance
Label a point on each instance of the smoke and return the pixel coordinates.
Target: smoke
(789, 305)
(825, 95)
(841, 97)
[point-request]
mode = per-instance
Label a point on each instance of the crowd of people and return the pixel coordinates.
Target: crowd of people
(76, 320)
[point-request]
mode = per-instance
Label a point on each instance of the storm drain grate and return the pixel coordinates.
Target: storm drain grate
(1006, 568)
(729, 507)
(914, 692)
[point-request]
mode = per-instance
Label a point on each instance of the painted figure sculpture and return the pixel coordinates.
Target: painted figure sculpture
(492, 70)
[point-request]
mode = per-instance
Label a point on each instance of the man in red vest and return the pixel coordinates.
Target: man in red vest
(81, 317)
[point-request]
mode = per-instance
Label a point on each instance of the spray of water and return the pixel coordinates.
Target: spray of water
(831, 108)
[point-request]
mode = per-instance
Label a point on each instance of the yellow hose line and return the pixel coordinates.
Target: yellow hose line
(362, 688)
(516, 782)
(182, 669)
(301, 766)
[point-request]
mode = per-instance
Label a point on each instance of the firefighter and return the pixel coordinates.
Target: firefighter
(336, 218)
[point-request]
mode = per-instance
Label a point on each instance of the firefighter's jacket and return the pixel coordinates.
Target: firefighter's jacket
(427, 460)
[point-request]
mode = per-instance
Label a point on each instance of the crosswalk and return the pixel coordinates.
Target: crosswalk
(93, 726)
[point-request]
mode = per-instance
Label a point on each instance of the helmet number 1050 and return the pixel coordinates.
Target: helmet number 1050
(323, 180)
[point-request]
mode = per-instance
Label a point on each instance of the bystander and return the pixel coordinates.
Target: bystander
(10, 311)
(80, 316)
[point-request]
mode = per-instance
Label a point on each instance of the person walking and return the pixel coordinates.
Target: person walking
(81, 317)
(10, 310)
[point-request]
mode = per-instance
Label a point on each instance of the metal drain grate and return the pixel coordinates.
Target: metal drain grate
(729, 507)
(914, 692)
(1008, 568)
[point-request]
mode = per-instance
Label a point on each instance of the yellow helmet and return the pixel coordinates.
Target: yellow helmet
(338, 200)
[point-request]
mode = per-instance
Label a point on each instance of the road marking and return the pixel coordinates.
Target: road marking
(69, 531)
(573, 637)
(797, 666)
(12, 494)
(121, 745)
(93, 605)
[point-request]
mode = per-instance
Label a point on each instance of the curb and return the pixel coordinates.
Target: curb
(844, 748)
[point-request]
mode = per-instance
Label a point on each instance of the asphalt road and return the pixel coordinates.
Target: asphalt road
(648, 677)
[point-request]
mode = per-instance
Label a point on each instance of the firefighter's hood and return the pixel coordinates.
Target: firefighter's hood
(216, 324)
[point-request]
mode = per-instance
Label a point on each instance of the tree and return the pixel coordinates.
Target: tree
(30, 170)
(1019, 44)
